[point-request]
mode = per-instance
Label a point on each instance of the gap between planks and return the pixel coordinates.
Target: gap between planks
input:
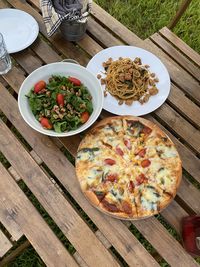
(181, 45)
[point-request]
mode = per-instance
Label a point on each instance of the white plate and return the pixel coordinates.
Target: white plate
(19, 29)
(156, 66)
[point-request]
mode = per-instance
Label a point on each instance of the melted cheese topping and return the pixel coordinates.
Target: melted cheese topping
(128, 166)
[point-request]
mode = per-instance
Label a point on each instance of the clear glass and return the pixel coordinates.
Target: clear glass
(5, 61)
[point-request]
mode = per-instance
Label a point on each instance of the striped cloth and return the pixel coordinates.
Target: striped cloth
(53, 19)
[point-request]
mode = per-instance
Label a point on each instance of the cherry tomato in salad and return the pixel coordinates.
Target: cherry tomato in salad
(85, 116)
(60, 99)
(75, 81)
(46, 123)
(39, 86)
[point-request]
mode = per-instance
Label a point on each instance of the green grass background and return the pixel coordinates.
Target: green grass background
(143, 17)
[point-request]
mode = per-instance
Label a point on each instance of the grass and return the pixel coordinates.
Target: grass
(143, 17)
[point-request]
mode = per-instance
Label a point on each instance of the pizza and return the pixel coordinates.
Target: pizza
(128, 167)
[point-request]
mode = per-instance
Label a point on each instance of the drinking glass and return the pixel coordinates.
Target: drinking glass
(5, 61)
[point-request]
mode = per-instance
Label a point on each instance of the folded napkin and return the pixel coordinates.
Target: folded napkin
(55, 11)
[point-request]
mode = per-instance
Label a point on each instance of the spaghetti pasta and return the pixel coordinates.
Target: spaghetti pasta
(128, 80)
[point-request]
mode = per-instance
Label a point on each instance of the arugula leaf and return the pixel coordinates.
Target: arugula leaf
(60, 127)
(76, 102)
(35, 105)
(89, 106)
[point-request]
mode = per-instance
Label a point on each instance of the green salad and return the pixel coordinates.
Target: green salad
(62, 104)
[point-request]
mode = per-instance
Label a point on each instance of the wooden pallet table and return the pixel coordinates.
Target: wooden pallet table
(39, 164)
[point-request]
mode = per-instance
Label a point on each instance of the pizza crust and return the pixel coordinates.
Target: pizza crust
(138, 213)
(92, 197)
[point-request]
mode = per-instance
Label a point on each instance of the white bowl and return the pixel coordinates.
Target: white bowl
(63, 69)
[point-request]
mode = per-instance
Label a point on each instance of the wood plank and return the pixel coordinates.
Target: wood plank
(174, 214)
(14, 174)
(101, 35)
(11, 226)
(15, 77)
(14, 203)
(4, 4)
(190, 195)
(36, 157)
(5, 84)
(181, 45)
(119, 236)
(184, 105)
(164, 243)
(179, 125)
(5, 244)
(71, 143)
(103, 239)
(89, 45)
(53, 201)
(178, 75)
(70, 50)
(176, 55)
(45, 52)
(80, 261)
(114, 25)
(13, 254)
(25, 57)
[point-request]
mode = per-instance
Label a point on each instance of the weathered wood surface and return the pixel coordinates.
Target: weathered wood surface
(5, 244)
(178, 117)
(14, 203)
(181, 45)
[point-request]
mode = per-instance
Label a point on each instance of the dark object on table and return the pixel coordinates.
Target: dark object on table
(68, 15)
(73, 30)
(191, 234)
(63, 7)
